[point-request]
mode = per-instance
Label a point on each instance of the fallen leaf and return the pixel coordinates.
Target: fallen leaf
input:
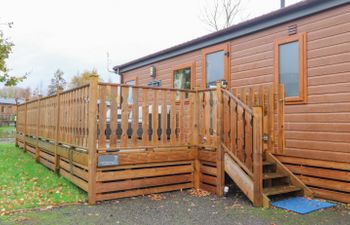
(155, 197)
(22, 218)
(199, 193)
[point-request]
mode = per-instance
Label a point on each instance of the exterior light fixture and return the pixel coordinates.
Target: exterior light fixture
(152, 71)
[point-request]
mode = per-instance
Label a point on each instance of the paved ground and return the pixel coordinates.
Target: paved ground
(178, 208)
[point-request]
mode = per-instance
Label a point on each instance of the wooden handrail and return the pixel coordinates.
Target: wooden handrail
(54, 95)
(238, 101)
(146, 87)
(239, 162)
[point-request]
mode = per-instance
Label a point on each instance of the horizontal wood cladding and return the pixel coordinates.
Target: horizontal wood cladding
(328, 179)
(130, 158)
(138, 173)
(72, 171)
(142, 179)
(319, 129)
(210, 172)
(142, 183)
(146, 191)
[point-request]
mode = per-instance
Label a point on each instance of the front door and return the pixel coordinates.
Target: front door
(215, 61)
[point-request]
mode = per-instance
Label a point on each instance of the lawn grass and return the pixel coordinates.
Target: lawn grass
(7, 129)
(27, 184)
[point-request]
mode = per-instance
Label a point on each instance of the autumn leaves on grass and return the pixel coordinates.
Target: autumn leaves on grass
(25, 184)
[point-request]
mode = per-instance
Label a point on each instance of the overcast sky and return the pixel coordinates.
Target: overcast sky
(75, 35)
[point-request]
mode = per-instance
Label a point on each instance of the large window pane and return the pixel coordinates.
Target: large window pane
(215, 67)
(289, 68)
(130, 97)
(182, 80)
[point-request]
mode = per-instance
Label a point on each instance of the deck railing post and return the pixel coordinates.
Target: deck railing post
(25, 125)
(195, 138)
(37, 150)
(257, 156)
(57, 130)
(220, 152)
(92, 135)
(280, 108)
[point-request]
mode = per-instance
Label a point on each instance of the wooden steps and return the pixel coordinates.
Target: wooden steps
(277, 182)
(267, 176)
(267, 163)
(278, 190)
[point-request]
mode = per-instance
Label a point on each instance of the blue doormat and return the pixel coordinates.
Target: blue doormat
(301, 205)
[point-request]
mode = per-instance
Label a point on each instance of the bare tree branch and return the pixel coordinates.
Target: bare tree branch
(220, 14)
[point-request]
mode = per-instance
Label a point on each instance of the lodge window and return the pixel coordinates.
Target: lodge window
(130, 97)
(214, 68)
(182, 78)
(2, 109)
(290, 67)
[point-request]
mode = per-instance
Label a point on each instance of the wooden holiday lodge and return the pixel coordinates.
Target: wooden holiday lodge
(265, 102)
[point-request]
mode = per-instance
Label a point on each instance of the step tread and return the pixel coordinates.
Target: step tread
(280, 190)
(273, 175)
(267, 163)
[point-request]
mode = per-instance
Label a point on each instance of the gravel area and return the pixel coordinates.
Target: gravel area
(178, 208)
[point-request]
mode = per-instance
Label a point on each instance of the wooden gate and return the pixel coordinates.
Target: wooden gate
(272, 103)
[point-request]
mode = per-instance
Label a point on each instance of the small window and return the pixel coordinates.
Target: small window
(182, 79)
(130, 97)
(290, 67)
(2, 109)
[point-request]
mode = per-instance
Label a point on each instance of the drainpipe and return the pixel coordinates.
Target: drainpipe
(120, 75)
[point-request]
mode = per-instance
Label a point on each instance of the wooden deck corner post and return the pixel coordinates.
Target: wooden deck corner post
(220, 152)
(37, 150)
(57, 130)
(280, 108)
(25, 125)
(195, 138)
(257, 156)
(92, 134)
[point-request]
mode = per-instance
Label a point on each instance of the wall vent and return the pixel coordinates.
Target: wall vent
(292, 29)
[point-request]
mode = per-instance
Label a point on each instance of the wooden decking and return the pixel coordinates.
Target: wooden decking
(153, 139)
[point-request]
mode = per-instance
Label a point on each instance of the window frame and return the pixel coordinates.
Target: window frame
(135, 79)
(301, 39)
(227, 60)
(184, 66)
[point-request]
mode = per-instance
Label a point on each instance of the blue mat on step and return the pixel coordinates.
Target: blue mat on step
(302, 205)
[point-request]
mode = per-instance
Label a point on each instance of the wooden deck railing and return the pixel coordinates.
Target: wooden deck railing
(272, 103)
(145, 128)
(242, 139)
(135, 116)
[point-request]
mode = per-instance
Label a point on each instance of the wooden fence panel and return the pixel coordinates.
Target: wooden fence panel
(48, 117)
(144, 117)
(72, 116)
(271, 101)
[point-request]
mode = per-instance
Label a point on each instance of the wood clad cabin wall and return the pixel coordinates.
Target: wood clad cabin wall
(327, 111)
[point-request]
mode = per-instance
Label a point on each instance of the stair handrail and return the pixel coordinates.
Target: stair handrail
(254, 169)
(238, 101)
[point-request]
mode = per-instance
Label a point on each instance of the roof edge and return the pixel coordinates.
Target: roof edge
(284, 15)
